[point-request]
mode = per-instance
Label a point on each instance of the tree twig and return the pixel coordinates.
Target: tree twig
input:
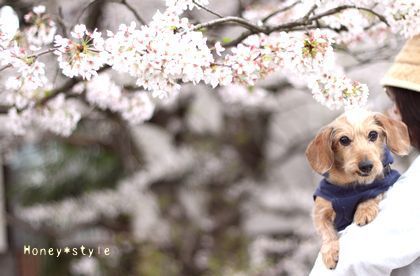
(298, 25)
(284, 9)
(347, 7)
(5, 67)
(207, 10)
(231, 19)
(69, 84)
(88, 6)
(133, 11)
(60, 20)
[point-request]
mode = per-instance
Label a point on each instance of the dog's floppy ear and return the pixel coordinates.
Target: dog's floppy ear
(319, 152)
(397, 137)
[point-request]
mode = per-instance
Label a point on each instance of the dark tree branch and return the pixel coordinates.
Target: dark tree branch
(135, 13)
(207, 10)
(306, 22)
(284, 9)
(232, 19)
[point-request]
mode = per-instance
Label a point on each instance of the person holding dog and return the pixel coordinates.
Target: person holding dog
(390, 244)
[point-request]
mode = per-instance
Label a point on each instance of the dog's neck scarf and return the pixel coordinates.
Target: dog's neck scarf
(345, 199)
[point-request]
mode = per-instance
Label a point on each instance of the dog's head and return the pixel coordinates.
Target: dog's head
(351, 148)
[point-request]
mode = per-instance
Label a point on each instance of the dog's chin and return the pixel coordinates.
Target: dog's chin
(365, 178)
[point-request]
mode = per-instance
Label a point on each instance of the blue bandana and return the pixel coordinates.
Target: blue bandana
(345, 199)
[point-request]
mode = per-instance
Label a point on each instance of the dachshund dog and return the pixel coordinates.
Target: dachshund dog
(353, 154)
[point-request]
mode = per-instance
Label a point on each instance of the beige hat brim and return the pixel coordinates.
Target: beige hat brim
(403, 75)
(405, 72)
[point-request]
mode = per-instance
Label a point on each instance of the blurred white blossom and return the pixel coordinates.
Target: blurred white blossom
(404, 16)
(9, 25)
(135, 107)
(42, 28)
(239, 94)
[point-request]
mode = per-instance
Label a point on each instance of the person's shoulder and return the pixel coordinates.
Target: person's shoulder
(407, 188)
(413, 172)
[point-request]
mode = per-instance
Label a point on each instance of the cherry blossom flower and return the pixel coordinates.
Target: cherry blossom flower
(404, 16)
(260, 55)
(29, 80)
(336, 90)
(42, 29)
(219, 48)
(170, 51)
(135, 107)
(9, 25)
(18, 122)
(4, 38)
(21, 92)
(58, 116)
(218, 75)
(314, 52)
(161, 54)
(239, 94)
(103, 92)
(82, 56)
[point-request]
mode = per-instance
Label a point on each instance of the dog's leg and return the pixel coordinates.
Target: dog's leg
(323, 217)
(367, 211)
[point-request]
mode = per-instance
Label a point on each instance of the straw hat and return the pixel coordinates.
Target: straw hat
(405, 72)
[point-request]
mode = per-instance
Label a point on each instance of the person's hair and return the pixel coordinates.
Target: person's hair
(408, 103)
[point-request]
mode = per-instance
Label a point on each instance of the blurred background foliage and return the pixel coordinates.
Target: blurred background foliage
(207, 187)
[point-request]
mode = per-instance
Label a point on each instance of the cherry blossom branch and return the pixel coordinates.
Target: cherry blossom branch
(346, 7)
(60, 20)
(232, 19)
(44, 52)
(292, 26)
(33, 56)
(69, 84)
(5, 67)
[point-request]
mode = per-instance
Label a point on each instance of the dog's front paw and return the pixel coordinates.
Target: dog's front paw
(330, 251)
(366, 212)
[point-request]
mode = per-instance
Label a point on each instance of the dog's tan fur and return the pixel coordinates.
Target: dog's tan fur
(326, 154)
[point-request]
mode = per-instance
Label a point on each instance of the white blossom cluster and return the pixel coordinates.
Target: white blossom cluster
(28, 82)
(261, 55)
(161, 54)
(9, 25)
(170, 51)
(25, 88)
(4, 37)
(82, 56)
(31, 72)
(240, 94)
(404, 16)
(42, 28)
(335, 90)
(135, 107)
(58, 116)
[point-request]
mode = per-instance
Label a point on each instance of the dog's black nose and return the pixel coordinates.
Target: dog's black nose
(365, 166)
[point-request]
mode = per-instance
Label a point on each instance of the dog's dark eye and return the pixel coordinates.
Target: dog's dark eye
(373, 135)
(345, 141)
